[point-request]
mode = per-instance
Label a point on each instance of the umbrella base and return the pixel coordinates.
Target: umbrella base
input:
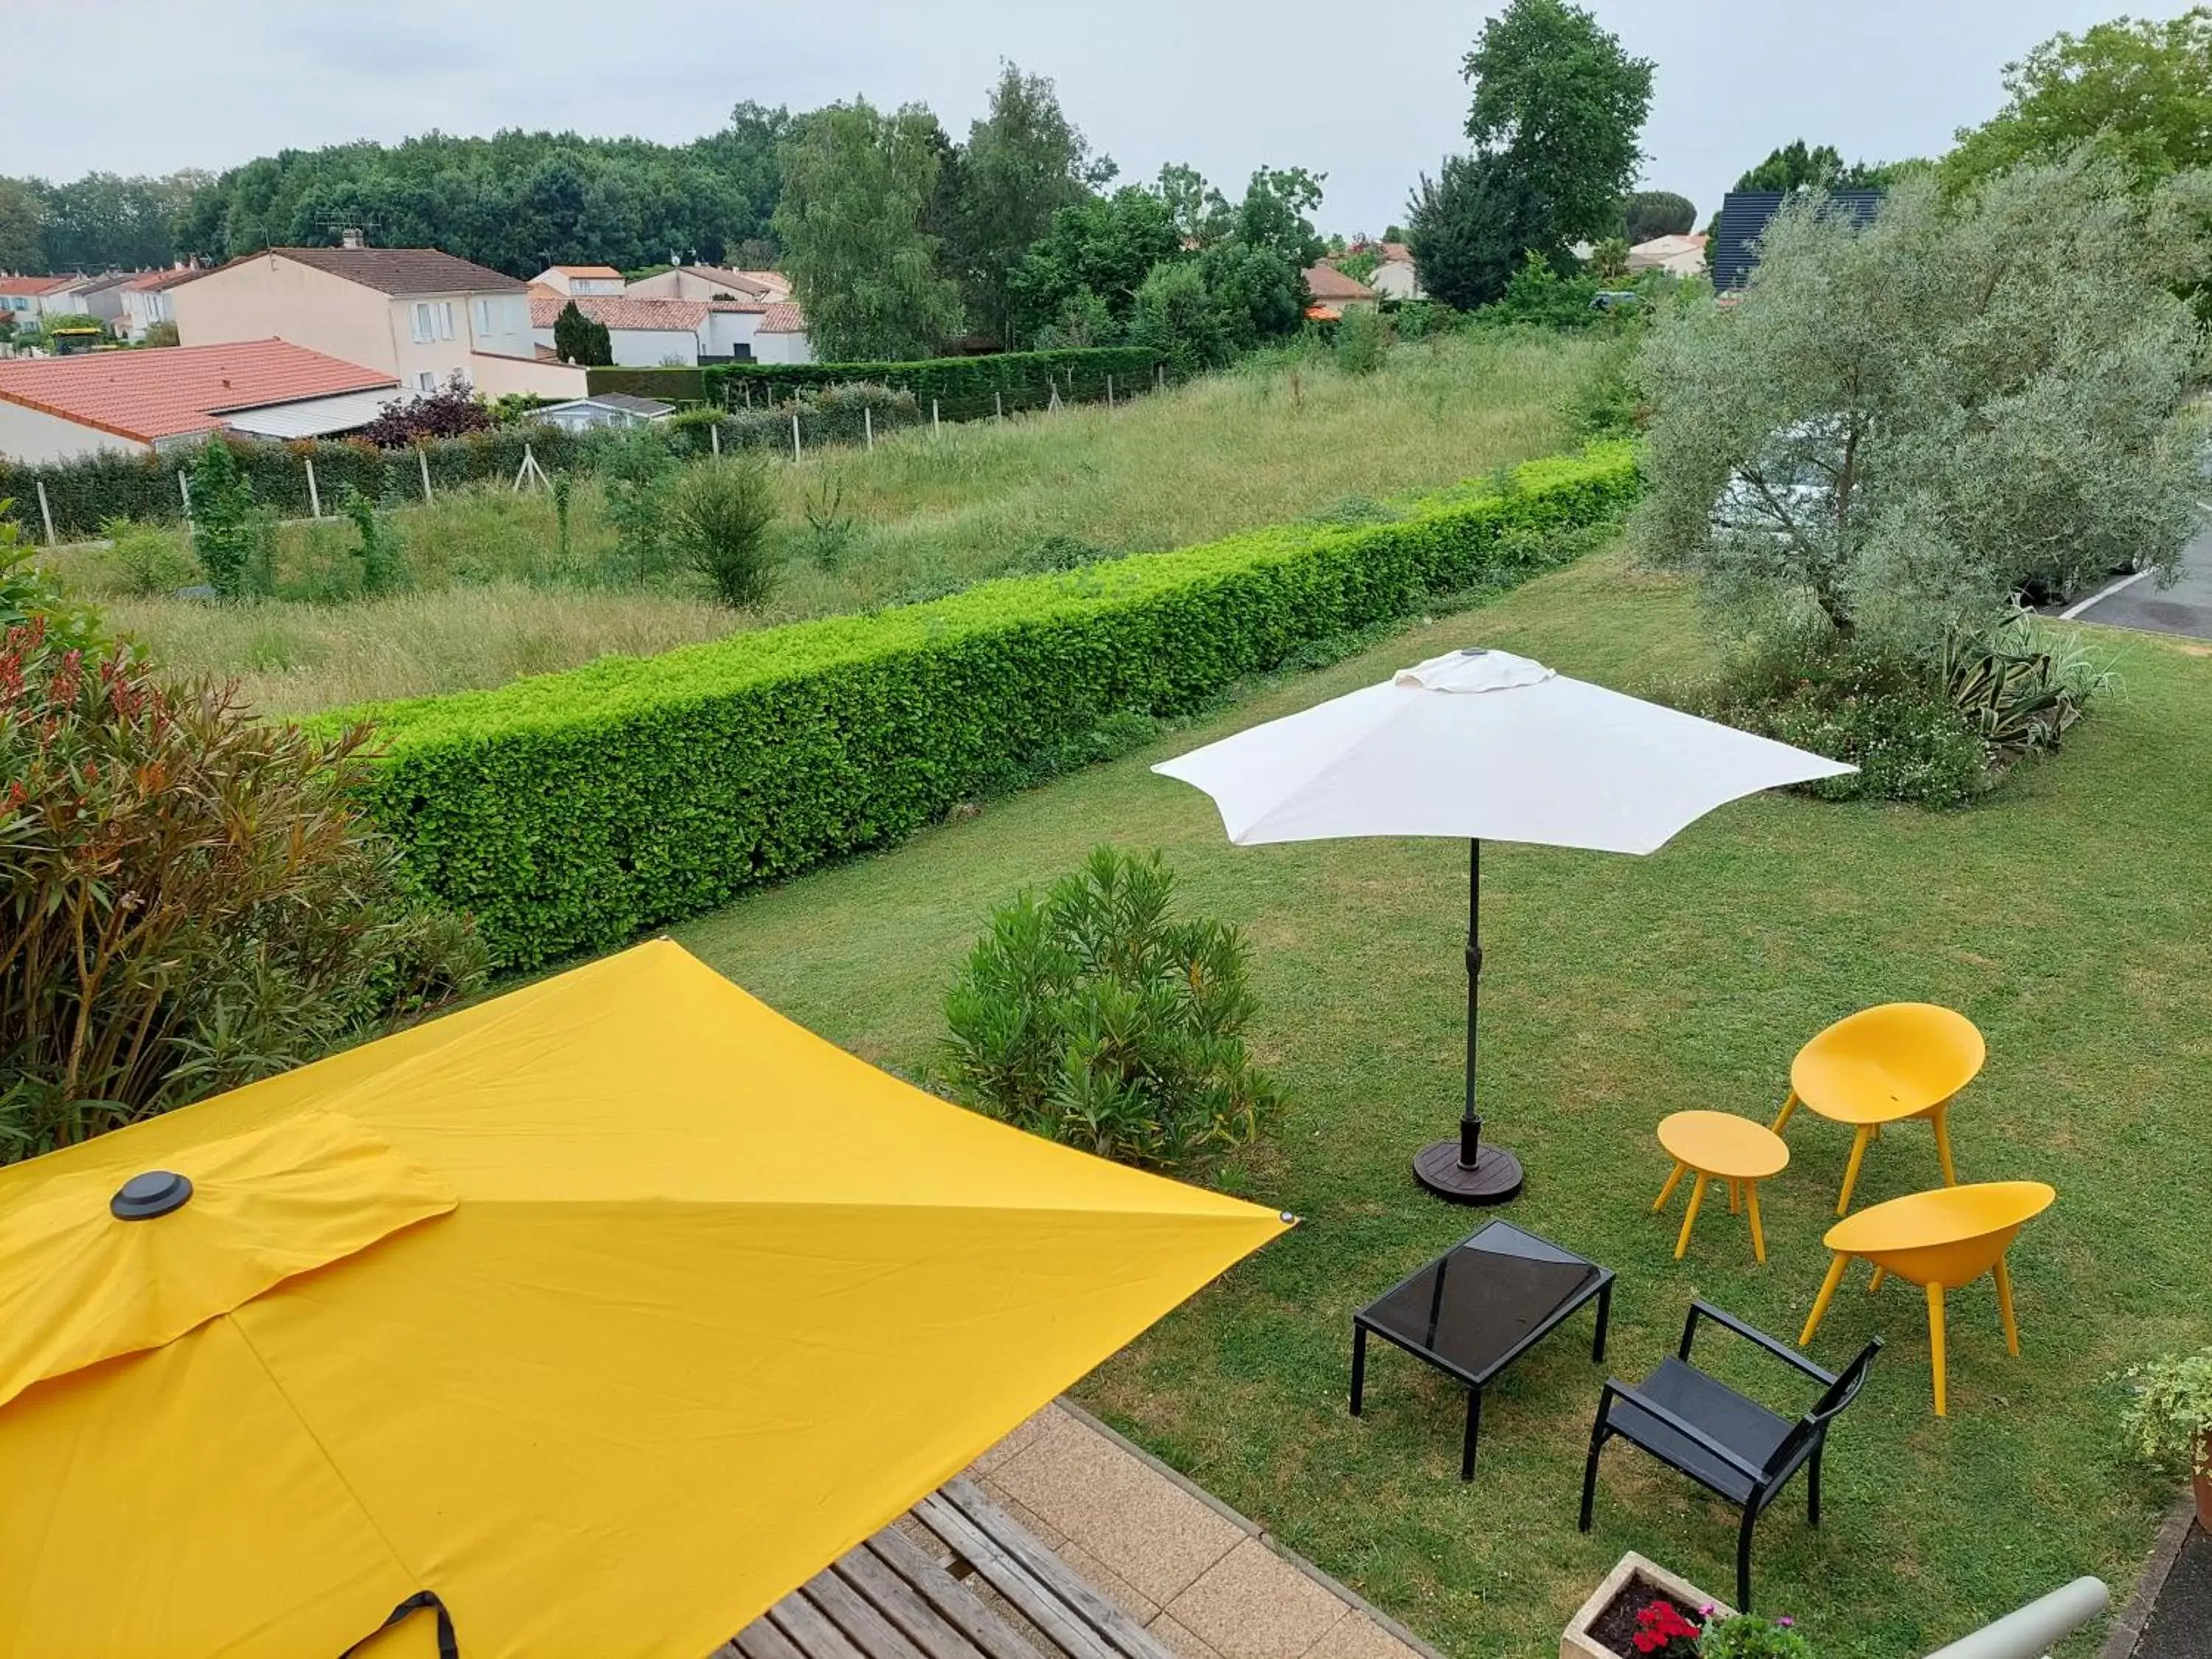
(1494, 1176)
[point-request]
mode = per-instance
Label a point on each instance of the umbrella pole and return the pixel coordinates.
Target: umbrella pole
(1464, 1171)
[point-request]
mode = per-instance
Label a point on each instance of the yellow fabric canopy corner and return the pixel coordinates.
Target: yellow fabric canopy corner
(606, 1312)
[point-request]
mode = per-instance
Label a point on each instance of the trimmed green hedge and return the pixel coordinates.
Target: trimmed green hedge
(570, 812)
(963, 388)
(673, 385)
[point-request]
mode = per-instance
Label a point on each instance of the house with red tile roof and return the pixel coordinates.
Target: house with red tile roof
(146, 300)
(711, 283)
(57, 408)
(576, 280)
(26, 301)
(1331, 289)
(423, 316)
(781, 337)
(644, 333)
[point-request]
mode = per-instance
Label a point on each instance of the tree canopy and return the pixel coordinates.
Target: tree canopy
(1561, 104)
(1794, 166)
(1023, 162)
(1898, 426)
(1645, 214)
(2138, 89)
(1469, 229)
(858, 183)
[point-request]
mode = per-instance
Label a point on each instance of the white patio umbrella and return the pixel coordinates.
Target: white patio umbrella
(1493, 747)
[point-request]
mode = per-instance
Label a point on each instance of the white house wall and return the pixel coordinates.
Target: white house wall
(731, 333)
(34, 436)
(782, 349)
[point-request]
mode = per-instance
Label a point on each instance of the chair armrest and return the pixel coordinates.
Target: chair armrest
(1683, 1426)
(1787, 1355)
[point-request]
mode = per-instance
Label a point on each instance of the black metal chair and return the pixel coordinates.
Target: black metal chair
(1731, 1444)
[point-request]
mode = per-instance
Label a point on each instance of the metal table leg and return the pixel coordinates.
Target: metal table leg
(1358, 1366)
(1473, 1431)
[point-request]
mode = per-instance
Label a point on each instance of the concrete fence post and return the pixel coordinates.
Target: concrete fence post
(868, 423)
(46, 512)
(422, 459)
(1110, 391)
(314, 494)
(794, 434)
(933, 417)
(714, 437)
(184, 491)
(998, 402)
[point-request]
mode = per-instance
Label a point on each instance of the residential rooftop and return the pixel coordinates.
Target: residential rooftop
(173, 392)
(399, 271)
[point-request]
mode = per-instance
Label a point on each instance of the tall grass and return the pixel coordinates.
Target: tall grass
(493, 594)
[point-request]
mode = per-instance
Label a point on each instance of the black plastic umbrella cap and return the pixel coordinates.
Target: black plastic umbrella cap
(143, 1197)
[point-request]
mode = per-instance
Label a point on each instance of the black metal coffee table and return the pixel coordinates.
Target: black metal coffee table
(1478, 1307)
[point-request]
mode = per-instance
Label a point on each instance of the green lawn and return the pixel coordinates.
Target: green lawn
(2068, 916)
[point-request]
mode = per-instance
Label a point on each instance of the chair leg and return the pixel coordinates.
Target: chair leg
(2004, 1308)
(1851, 1170)
(1758, 1235)
(1939, 1117)
(1935, 1341)
(1813, 1486)
(1690, 1216)
(1743, 1559)
(1827, 1292)
(1590, 1468)
(1782, 1117)
(1667, 1191)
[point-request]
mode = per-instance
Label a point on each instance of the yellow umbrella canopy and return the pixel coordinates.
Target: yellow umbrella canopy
(606, 1312)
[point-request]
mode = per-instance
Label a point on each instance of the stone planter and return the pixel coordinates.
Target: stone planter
(1641, 1581)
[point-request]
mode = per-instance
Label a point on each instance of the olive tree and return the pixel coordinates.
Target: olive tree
(1898, 428)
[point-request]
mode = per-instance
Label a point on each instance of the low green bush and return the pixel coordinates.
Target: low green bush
(568, 811)
(1888, 717)
(718, 516)
(1089, 1014)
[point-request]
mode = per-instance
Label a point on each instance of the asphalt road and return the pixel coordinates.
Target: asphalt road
(2141, 604)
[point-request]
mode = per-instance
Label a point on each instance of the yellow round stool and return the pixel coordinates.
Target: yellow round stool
(1720, 1146)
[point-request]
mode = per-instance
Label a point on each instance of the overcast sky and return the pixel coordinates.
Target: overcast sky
(1370, 94)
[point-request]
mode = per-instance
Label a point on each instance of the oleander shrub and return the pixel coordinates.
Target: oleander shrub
(1093, 1015)
(568, 811)
(190, 898)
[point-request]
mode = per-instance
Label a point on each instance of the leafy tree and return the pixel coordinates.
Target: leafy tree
(1272, 215)
(226, 529)
(163, 333)
(1178, 316)
(578, 339)
(2138, 89)
(1022, 163)
(1363, 340)
(1085, 319)
(1648, 213)
(1469, 226)
(856, 184)
(635, 473)
(1257, 294)
(22, 226)
(1608, 260)
(1898, 427)
(1560, 104)
(1793, 167)
(381, 571)
(1201, 214)
(1103, 248)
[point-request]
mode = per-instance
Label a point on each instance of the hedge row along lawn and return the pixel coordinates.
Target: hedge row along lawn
(963, 388)
(570, 811)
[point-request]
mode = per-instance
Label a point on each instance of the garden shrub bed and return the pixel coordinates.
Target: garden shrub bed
(568, 811)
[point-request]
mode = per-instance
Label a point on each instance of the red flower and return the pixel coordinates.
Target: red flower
(1660, 1626)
